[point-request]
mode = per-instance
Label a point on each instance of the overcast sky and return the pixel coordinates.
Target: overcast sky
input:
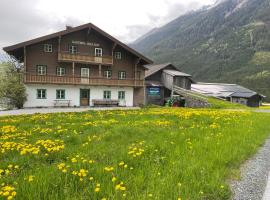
(126, 20)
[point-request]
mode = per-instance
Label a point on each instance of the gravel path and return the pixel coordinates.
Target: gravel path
(56, 110)
(254, 176)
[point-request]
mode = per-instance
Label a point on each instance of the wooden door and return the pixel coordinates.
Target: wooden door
(85, 75)
(84, 97)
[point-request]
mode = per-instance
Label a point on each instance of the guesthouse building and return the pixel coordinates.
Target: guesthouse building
(81, 66)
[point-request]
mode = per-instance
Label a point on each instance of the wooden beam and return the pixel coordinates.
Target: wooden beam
(59, 43)
(113, 48)
(99, 70)
(24, 59)
(135, 69)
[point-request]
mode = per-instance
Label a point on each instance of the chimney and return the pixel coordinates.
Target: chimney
(68, 27)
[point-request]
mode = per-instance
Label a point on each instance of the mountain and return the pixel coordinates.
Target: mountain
(227, 42)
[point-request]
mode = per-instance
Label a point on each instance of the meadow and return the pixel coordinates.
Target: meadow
(157, 153)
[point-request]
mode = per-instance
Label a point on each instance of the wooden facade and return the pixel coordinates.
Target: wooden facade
(78, 50)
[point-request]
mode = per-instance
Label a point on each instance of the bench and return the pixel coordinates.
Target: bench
(104, 102)
(62, 103)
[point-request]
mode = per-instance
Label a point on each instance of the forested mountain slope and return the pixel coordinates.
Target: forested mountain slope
(228, 42)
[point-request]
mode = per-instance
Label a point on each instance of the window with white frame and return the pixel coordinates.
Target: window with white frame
(121, 95)
(85, 72)
(107, 73)
(60, 71)
(41, 69)
(48, 48)
(73, 49)
(98, 52)
(122, 75)
(118, 55)
(60, 94)
(107, 95)
(41, 93)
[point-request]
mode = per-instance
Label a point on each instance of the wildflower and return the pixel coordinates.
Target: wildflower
(108, 169)
(113, 179)
(97, 189)
(91, 178)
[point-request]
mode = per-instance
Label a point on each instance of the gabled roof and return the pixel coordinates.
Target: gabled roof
(176, 73)
(223, 90)
(152, 69)
(74, 29)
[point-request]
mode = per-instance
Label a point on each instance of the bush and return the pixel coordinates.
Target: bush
(12, 90)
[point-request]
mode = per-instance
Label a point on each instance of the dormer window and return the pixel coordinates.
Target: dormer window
(73, 49)
(118, 55)
(98, 52)
(48, 48)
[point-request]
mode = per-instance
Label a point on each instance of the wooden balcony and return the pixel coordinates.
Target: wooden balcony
(30, 78)
(84, 58)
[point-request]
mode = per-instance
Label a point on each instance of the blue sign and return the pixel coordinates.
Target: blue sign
(154, 91)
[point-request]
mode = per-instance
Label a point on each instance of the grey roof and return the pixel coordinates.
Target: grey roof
(176, 73)
(154, 83)
(155, 68)
(223, 90)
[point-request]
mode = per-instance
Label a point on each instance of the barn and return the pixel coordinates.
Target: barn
(230, 92)
(160, 79)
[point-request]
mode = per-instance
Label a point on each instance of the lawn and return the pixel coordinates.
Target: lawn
(157, 153)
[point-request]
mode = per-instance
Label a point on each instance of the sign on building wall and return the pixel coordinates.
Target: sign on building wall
(154, 91)
(86, 43)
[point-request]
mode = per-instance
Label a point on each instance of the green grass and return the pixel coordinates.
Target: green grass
(180, 153)
(221, 104)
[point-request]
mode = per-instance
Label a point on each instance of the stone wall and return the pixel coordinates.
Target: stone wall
(196, 103)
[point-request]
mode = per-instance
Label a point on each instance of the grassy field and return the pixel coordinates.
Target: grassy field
(158, 153)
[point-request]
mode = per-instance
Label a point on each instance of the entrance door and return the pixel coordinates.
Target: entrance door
(84, 75)
(84, 97)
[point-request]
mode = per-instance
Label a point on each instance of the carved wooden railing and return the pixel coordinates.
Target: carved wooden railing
(84, 58)
(75, 80)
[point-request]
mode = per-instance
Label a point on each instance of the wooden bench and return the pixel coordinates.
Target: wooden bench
(103, 102)
(62, 103)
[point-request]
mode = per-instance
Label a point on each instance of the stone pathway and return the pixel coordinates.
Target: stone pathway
(56, 110)
(254, 176)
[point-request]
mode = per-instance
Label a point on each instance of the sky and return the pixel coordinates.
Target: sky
(21, 20)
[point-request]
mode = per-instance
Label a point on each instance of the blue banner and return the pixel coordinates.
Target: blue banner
(154, 91)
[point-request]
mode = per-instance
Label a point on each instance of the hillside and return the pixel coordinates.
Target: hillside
(228, 42)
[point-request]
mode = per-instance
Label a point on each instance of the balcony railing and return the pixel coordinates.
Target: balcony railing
(84, 58)
(70, 80)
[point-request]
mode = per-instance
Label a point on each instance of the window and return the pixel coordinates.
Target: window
(122, 75)
(41, 69)
(60, 94)
(108, 73)
(107, 95)
(118, 55)
(60, 71)
(85, 72)
(121, 95)
(41, 94)
(48, 48)
(98, 52)
(73, 49)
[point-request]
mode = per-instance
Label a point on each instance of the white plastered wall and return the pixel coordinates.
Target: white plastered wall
(73, 94)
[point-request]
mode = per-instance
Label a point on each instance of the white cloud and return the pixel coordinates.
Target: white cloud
(124, 19)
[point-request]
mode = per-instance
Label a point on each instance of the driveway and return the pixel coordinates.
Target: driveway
(56, 110)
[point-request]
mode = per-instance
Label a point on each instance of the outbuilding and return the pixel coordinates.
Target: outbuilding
(230, 92)
(160, 79)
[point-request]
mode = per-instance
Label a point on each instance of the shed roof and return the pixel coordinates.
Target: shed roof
(153, 68)
(223, 90)
(9, 49)
(176, 73)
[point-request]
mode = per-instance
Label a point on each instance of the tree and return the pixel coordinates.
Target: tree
(12, 89)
